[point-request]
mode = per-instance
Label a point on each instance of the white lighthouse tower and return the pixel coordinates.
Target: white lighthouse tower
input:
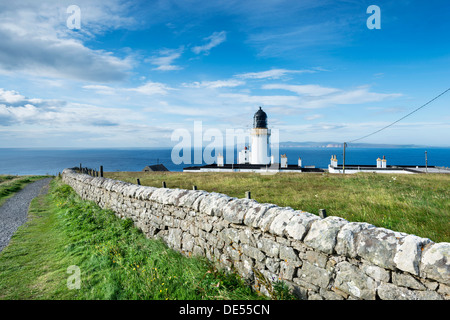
(260, 134)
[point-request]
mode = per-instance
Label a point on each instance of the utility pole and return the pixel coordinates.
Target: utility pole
(343, 161)
(426, 162)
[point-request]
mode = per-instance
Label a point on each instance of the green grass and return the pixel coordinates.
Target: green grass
(415, 204)
(6, 177)
(9, 185)
(115, 259)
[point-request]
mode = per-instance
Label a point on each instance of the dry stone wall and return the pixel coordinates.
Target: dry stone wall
(318, 258)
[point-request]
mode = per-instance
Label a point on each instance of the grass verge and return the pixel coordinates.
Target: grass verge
(115, 260)
(9, 185)
(416, 204)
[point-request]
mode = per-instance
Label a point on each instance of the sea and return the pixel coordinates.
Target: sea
(35, 161)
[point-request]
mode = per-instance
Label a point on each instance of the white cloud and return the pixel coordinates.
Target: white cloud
(309, 89)
(357, 96)
(314, 117)
(214, 84)
(10, 96)
(166, 57)
(275, 100)
(9, 114)
(101, 89)
(36, 41)
(148, 88)
(151, 88)
(167, 108)
(315, 96)
(306, 97)
(213, 41)
(61, 114)
(271, 74)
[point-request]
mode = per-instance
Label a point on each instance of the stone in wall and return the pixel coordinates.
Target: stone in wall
(349, 237)
(323, 233)
(234, 210)
(379, 246)
(436, 263)
(256, 213)
(281, 220)
(409, 253)
(351, 280)
(314, 275)
(299, 225)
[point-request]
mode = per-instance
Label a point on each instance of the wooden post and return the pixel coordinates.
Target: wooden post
(323, 213)
(80, 167)
(194, 187)
(138, 181)
(248, 194)
(164, 184)
(101, 171)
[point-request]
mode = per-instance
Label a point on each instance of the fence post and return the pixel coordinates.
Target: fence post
(248, 194)
(194, 187)
(323, 213)
(164, 184)
(138, 181)
(101, 171)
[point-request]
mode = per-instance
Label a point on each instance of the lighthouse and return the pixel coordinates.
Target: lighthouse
(260, 135)
(258, 155)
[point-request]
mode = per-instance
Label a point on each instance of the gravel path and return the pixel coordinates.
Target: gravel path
(14, 212)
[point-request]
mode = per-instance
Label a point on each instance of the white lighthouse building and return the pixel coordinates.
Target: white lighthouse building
(259, 151)
(260, 134)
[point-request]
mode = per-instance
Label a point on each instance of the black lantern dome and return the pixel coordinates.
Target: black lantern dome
(260, 119)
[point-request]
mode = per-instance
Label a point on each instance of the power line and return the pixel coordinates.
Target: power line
(441, 94)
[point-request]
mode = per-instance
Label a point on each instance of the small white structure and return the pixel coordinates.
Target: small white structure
(333, 161)
(284, 162)
(220, 160)
(244, 156)
(299, 162)
(378, 163)
(383, 162)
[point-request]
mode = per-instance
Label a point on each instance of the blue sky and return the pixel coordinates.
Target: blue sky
(136, 71)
